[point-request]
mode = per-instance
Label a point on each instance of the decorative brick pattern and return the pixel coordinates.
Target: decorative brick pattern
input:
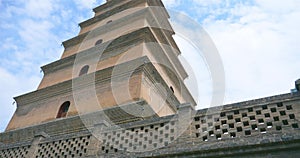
(75, 147)
(138, 139)
(18, 152)
(246, 122)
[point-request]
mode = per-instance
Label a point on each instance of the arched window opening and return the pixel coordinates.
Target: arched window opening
(63, 110)
(109, 21)
(84, 70)
(172, 89)
(99, 42)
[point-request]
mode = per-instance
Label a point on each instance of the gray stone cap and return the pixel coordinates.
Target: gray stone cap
(41, 134)
(15, 145)
(297, 84)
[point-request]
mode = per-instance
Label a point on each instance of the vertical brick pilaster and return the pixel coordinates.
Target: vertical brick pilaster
(35, 144)
(96, 139)
(186, 114)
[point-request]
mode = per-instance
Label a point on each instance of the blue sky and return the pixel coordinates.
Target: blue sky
(257, 40)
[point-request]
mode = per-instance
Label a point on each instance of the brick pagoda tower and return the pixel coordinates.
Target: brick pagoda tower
(118, 91)
(123, 60)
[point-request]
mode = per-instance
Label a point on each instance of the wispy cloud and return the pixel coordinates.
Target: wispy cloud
(258, 47)
(12, 85)
(33, 34)
(172, 3)
(39, 8)
(83, 4)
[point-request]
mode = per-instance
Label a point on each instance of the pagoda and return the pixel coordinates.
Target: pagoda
(118, 91)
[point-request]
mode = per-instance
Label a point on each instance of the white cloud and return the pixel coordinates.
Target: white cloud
(36, 33)
(27, 44)
(172, 3)
(8, 44)
(85, 4)
(33, 41)
(259, 49)
(11, 86)
(37, 45)
(208, 2)
(278, 6)
(39, 8)
(7, 109)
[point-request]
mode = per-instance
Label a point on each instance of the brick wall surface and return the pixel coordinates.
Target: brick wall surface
(258, 128)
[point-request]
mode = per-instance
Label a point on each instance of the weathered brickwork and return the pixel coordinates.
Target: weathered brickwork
(249, 126)
(142, 138)
(72, 147)
(18, 152)
(251, 121)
